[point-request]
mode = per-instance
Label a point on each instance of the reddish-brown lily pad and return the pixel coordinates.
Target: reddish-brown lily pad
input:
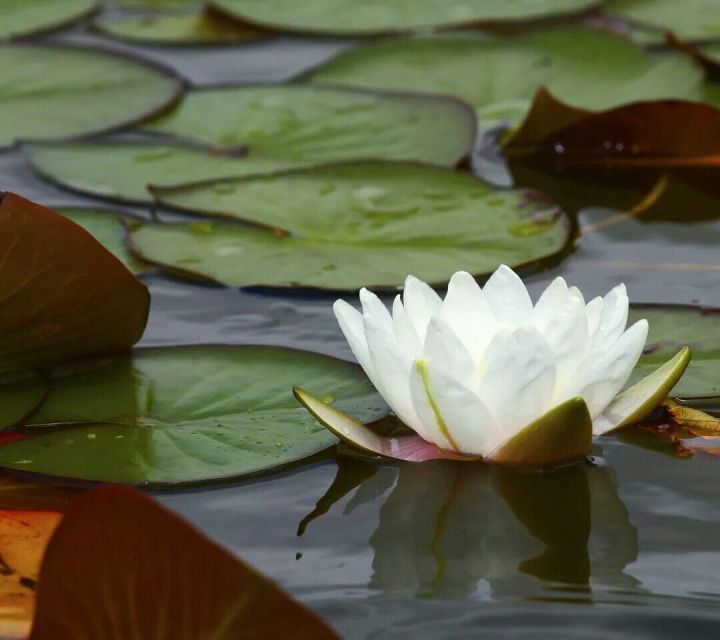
(145, 573)
(62, 294)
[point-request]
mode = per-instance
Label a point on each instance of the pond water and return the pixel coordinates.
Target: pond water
(623, 547)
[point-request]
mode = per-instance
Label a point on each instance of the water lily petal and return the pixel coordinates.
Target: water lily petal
(613, 317)
(549, 301)
(405, 333)
(461, 416)
(468, 313)
(421, 304)
(518, 377)
(433, 424)
(567, 336)
(593, 310)
(392, 369)
(373, 307)
(351, 324)
(603, 373)
(508, 297)
(443, 346)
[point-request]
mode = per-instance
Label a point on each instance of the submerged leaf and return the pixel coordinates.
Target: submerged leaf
(350, 225)
(158, 577)
(321, 124)
(80, 91)
(350, 17)
(62, 294)
(184, 415)
(587, 68)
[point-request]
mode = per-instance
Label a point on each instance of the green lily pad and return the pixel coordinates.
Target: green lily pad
(122, 171)
(688, 20)
(77, 91)
(30, 17)
(500, 76)
(177, 29)
(352, 225)
(563, 434)
(108, 229)
(187, 414)
(18, 399)
(322, 124)
(350, 17)
(641, 399)
(674, 327)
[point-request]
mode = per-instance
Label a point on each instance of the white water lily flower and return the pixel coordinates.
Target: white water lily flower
(473, 371)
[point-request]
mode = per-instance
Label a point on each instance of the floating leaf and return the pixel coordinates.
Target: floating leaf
(673, 327)
(643, 134)
(499, 76)
(349, 17)
(180, 415)
(202, 27)
(79, 91)
(158, 577)
(323, 123)
(352, 225)
(62, 294)
(695, 421)
(108, 229)
(123, 170)
(689, 19)
(637, 402)
(23, 538)
(30, 17)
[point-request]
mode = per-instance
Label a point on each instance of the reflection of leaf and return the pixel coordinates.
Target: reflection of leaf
(350, 475)
(64, 295)
(23, 537)
(661, 134)
(145, 573)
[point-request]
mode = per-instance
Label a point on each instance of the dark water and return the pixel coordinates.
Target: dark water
(625, 547)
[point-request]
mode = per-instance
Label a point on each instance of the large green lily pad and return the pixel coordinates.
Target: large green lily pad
(687, 19)
(351, 17)
(499, 76)
(190, 414)
(322, 124)
(108, 229)
(28, 17)
(122, 170)
(19, 398)
(352, 225)
(197, 28)
(49, 92)
(673, 327)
